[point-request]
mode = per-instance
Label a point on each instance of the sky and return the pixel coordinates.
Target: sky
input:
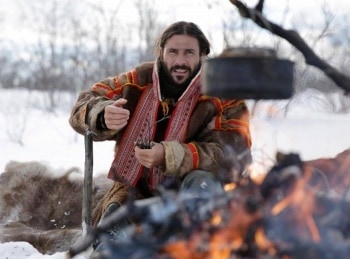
(195, 10)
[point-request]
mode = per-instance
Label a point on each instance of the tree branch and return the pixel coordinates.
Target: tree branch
(293, 38)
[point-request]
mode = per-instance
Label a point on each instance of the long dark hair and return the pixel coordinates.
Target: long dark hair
(184, 28)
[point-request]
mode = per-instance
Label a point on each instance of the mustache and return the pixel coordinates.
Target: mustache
(180, 67)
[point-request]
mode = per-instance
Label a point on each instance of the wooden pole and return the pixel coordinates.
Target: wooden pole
(88, 172)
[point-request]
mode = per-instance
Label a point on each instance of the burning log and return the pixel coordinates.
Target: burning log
(290, 214)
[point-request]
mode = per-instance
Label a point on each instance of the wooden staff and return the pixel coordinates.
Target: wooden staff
(87, 189)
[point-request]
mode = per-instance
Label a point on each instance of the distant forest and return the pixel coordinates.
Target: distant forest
(74, 44)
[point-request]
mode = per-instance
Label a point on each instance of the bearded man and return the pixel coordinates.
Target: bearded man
(165, 128)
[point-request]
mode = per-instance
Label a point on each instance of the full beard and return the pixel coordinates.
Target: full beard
(169, 78)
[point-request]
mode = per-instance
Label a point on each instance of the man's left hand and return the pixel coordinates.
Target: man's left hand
(154, 156)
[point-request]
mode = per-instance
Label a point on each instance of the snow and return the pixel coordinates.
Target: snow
(29, 133)
(20, 250)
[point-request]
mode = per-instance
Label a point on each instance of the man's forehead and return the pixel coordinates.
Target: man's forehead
(182, 42)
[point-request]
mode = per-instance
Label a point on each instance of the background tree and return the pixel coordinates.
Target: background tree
(148, 29)
(306, 76)
(73, 44)
(107, 53)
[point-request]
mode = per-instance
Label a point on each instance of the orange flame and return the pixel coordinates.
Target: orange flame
(229, 187)
(301, 198)
(263, 242)
(216, 219)
(219, 244)
(231, 230)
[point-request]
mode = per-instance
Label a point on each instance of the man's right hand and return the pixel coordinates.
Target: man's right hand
(116, 117)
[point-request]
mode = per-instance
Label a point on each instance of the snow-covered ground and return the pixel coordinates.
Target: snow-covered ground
(28, 133)
(24, 250)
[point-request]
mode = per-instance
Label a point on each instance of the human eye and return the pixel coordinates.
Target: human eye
(190, 52)
(172, 51)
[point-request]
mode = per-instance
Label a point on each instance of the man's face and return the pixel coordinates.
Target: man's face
(181, 58)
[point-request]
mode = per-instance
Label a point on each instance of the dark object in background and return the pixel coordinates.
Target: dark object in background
(248, 73)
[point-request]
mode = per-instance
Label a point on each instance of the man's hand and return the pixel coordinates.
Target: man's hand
(151, 157)
(116, 117)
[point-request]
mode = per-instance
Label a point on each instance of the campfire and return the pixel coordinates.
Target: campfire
(300, 209)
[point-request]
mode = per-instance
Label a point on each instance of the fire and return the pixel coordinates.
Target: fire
(293, 215)
(228, 227)
(299, 210)
(230, 186)
(216, 219)
(301, 199)
(263, 242)
(182, 250)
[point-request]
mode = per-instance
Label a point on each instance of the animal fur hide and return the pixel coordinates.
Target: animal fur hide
(43, 207)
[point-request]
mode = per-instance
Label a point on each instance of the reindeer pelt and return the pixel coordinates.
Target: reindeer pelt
(43, 206)
(331, 173)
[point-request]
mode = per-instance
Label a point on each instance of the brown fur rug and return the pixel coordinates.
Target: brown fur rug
(42, 206)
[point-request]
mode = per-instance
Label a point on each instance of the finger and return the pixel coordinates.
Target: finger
(145, 163)
(117, 126)
(120, 102)
(110, 109)
(116, 116)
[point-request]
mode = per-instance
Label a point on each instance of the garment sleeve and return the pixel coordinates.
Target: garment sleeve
(225, 137)
(90, 105)
(87, 113)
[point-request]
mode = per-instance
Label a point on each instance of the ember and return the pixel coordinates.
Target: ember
(299, 210)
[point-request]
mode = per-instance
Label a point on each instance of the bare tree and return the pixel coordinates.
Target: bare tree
(76, 43)
(108, 51)
(47, 50)
(148, 29)
(68, 50)
(306, 76)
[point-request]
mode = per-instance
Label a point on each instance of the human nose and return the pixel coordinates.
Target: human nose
(180, 60)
